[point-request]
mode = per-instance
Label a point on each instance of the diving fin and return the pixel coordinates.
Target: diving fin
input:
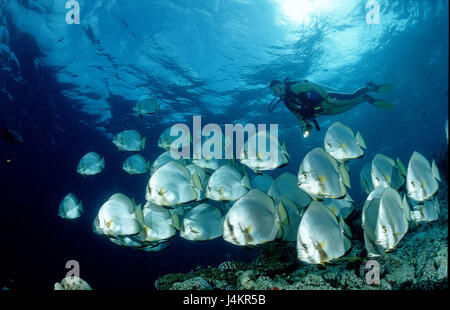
(384, 88)
(380, 103)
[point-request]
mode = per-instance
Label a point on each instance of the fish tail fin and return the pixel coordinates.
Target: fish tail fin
(102, 163)
(379, 103)
(176, 220)
(139, 215)
(435, 171)
(343, 170)
(196, 181)
(401, 167)
(285, 151)
(360, 140)
(406, 208)
(246, 182)
(80, 206)
(143, 142)
(282, 214)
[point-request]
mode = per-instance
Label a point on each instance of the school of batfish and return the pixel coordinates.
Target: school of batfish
(208, 198)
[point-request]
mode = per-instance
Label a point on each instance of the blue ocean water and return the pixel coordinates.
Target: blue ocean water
(68, 88)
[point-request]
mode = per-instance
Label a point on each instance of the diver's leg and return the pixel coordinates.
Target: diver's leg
(342, 96)
(337, 106)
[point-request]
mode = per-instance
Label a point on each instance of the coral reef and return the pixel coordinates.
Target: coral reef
(420, 261)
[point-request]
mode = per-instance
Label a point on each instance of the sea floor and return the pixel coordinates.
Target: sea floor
(420, 261)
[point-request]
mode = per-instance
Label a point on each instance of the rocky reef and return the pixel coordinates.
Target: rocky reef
(420, 261)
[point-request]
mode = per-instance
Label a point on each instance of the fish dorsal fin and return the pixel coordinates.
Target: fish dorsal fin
(283, 216)
(390, 160)
(435, 171)
(401, 167)
(344, 175)
(360, 140)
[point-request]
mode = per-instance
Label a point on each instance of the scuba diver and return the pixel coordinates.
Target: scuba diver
(307, 100)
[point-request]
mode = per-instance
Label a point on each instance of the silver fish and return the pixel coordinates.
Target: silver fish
(203, 222)
(252, 220)
(70, 207)
(129, 140)
(421, 178)
(170, 185)
(384, 220)
(342, 144)
(136, 164)
(321, 238)
(285, 186)
(320, 177)
(91, 164)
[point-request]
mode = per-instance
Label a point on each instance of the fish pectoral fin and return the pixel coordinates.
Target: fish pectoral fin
(322, 179)
(423, 184)
(322, 244)
(249, 228)
(334, 210)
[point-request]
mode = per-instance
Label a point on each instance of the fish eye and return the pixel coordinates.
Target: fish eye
(305, 175)
(413, 185)
(305, 248)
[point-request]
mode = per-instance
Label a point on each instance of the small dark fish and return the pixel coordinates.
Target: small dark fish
(11, 136)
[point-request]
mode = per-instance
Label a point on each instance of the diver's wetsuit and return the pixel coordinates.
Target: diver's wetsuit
(308, 100)
(356, 94)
